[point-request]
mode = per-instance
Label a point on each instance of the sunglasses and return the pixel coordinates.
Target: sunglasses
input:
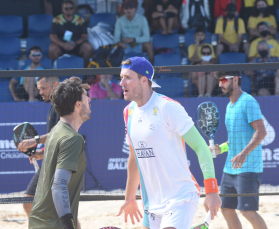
(68, 8)
(206, 53)
(225, 79)
(36, 54)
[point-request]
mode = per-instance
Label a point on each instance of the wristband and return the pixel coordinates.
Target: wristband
(43, 149)
(68, 221)
(224, 147)
(210, 185)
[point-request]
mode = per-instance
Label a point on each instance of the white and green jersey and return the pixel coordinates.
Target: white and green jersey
(155, 133)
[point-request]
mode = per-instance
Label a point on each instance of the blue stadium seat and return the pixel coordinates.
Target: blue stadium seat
(39, 24)
(277, 16)
(8, 64)
(5, 94)
(11, 25)
(189, 38)
(10, 47)
(167, 60)
(108, 18)
(172, 87)
(132, 54)
(232, 58)
(69, 61)
(43, 42)
(45, 62)
(166, 41)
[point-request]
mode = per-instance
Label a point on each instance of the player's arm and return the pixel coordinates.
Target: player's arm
(197, 143)
(60, 196)
(130, 206)
(28, 143)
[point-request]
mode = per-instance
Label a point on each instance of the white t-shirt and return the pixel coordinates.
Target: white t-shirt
(155, 131)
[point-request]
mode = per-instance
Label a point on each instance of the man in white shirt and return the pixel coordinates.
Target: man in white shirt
(157, 129)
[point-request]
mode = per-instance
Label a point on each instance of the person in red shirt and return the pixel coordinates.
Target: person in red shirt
(220, 7)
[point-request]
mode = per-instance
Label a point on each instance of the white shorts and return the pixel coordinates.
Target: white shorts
(179, 217)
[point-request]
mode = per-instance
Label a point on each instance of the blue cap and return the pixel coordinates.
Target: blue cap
(143, 67)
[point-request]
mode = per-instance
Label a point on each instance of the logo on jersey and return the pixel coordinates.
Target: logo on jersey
(130, 111)
(143, 151)
(140, 120)
(152, 127)
(155, 111)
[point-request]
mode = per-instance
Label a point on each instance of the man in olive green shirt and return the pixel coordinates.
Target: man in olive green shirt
(57, 196)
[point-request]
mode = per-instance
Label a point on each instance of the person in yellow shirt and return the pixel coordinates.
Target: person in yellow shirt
(264, 32)
(230, 30)
(251, 3)
(261, 12)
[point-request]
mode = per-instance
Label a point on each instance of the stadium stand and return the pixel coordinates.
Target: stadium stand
(46, 63)
(10, 47)
(102, 17)
(42, 41)
(189, 38)
(170, 41)
(11, 26)
(172, 87)
(39, 24)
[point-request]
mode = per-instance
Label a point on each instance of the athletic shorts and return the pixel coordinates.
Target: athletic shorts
(136, 49)
(242, 183)
(178, 217)
(31, 189)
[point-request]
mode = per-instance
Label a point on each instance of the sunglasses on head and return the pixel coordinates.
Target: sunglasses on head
(68, 8)
(36, 54)
(206, 53)
(225, 79)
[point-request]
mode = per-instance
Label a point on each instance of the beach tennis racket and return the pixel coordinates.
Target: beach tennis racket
(205, 224)
(26, 131)
(208, 122)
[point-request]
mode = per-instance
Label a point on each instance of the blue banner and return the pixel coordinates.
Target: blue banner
(106, 149)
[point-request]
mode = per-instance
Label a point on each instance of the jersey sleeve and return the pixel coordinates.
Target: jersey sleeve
(241, 26)
(69, 152)
(54, 27)
(219, 26)
(253, 110)
(177, 118)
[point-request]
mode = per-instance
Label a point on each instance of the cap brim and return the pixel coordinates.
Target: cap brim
(154, 84)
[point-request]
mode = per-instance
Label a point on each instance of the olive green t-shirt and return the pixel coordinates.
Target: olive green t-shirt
(64, 149)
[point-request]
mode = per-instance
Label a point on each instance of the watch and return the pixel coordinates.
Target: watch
(37, 138)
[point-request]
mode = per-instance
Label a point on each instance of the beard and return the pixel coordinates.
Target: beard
(229, 91)
(85, 113)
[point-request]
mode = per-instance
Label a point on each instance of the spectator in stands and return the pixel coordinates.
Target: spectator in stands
(267, 81)
(230, 30)
(264, 32)
(205, 81)
(165, 16)
(220, 7)
(69, 34)
(261, 13)
(24, 88)
(194, 14)
(132, 31)
(105, 89)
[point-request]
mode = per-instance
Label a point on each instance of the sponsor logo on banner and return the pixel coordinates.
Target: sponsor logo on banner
(117, 163)
(143, 151)
(270, 156)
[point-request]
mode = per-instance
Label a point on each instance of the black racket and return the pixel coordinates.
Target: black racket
(208, 121)
(22, 132)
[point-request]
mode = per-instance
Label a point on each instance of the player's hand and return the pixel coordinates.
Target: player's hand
(38, 156)
(238, 160)
(130, 207)
(212, 203)
(25, 144)
(217, 149)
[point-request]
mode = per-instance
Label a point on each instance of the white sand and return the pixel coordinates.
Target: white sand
(97, 214)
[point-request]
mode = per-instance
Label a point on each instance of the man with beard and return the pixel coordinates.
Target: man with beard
(244, 164)
(157, 159)
(45, 86)
(263, 29)
(57, 196)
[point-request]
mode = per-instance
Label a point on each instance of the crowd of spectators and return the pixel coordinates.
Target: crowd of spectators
(247, 26)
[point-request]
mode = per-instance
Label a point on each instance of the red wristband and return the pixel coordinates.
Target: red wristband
(43, 149)
(210, 185)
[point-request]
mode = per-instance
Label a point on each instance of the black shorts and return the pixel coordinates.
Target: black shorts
(31, 189)
(75, 51)
(227, 49)
(242, 183)
(267, 83)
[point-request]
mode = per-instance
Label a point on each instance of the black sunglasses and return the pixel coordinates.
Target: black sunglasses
(206, 53)
(68, 8)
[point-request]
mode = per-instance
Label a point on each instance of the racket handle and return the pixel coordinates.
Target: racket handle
(35, 163)
(207, 218)
(211, 143)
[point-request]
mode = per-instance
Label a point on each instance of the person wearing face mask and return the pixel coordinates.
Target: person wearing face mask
(267, 81)
(261, 12)
(204, 81)
(230, 30)
(264, 32)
